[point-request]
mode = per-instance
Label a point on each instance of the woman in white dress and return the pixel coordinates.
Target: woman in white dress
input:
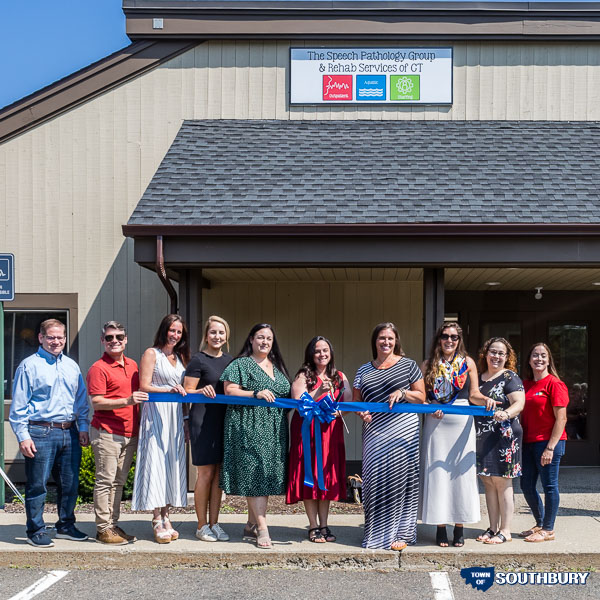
(449, 477)
(160, 474)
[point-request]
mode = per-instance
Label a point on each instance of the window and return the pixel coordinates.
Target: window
(569, 346)
(21, 328)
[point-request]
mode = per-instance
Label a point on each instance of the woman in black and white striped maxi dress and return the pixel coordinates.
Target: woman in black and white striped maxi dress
(390, 447)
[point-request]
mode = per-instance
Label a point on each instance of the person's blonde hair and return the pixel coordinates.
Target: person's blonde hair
(215, 319)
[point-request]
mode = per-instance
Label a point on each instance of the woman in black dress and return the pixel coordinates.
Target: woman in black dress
(499, 437)
(206, 426)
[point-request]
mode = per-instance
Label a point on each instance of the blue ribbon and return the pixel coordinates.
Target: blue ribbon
(373, 407)
(320, 412)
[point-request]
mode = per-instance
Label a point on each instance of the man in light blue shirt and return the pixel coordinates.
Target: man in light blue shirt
(49, 416)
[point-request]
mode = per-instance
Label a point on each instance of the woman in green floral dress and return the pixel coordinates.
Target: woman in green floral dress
(256, 437)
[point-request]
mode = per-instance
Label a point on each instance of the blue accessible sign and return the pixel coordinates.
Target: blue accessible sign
(7, 277)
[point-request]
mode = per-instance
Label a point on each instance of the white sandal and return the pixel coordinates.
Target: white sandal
(161, 537)
(172, 532)
(263, 540)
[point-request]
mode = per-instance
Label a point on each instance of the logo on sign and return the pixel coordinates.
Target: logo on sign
(405, 87)
(480, 578)
(370, 87)
(4, 269)
(337, 87)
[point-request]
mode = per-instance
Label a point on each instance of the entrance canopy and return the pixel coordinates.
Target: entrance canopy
(263, 193)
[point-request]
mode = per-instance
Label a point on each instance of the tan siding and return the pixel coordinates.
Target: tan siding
(345, 312)
(67, 186)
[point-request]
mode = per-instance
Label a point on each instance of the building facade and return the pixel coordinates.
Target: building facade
(88, 197)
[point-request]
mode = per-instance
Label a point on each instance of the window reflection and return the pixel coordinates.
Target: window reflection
(21, 328)
(569, 346)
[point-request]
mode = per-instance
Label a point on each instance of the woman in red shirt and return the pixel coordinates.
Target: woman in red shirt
(543, 419)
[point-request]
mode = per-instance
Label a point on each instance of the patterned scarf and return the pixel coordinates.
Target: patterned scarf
(450, 378)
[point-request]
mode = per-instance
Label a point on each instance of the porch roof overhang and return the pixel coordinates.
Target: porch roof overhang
(289, 193)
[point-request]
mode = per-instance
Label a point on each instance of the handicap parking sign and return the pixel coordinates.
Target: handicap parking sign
(370, 87)
(7, 277)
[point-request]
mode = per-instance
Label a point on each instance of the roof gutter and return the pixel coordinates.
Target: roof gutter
(368, 229)
(162, 274)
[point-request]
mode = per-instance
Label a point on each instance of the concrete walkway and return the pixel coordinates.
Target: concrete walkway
(575, 547)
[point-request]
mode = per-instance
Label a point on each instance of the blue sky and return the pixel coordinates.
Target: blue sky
(44, 40)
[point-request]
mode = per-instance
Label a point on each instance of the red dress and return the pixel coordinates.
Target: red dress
(334, 460)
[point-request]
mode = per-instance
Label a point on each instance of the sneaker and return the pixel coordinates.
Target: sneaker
(206, 534)
(218, 531)
(110, 536)
(72, 534)
(126, 536)
(40, 540)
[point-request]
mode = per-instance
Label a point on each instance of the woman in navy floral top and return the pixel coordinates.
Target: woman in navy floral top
(499, 437)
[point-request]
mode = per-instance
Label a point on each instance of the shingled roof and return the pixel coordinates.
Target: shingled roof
(308, 172)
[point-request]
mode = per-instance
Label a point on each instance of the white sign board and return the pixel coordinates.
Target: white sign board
(371, 76)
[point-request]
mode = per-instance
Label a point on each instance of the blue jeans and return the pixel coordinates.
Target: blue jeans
(58, 453)
(532, 469)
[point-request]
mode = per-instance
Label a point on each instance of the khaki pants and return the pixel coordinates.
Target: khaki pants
(113, 455)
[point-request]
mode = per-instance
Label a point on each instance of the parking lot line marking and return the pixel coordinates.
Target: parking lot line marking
(40, 585)
(440, 582)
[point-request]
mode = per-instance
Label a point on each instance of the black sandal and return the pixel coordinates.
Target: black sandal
(458, 540)
(315, 535)
(486, 535)
(326, 533)
(441, 537)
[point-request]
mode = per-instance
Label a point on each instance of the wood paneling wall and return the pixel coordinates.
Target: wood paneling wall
(344, 312)
(492, 80)
(67, 186)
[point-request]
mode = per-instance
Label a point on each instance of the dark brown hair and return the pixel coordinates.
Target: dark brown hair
(309, 369)
(551, 367)
(182, 348)
(436, 354)
(379, 328)
(511, 355)
(274, 355)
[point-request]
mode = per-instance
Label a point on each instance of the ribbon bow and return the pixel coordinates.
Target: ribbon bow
(320, 412)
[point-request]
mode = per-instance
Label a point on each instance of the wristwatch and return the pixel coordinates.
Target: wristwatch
(255, 394)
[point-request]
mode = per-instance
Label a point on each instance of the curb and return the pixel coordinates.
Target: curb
(130, 559)
(433, 561)
(380, 560)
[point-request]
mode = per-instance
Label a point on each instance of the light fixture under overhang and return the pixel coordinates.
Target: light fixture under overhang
(492, 283)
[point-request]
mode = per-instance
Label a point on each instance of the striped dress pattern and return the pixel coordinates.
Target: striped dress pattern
(390, 458)
(160, 472)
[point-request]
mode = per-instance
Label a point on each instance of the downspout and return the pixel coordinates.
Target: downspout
(162, 274)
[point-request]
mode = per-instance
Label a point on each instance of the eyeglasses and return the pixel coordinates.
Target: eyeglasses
(57, 338)
(497, 353)
(448, 336)
(110, 337)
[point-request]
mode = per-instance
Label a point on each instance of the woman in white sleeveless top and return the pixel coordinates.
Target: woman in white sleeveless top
(160, 474)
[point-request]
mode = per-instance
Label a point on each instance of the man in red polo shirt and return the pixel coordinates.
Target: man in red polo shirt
(113, 384)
